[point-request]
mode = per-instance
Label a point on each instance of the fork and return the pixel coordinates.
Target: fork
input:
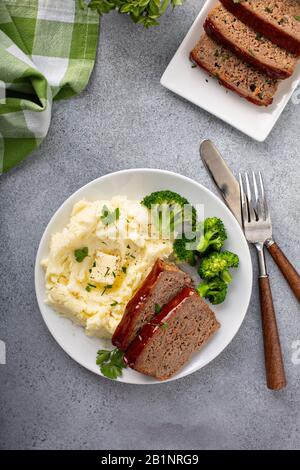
(258, 228)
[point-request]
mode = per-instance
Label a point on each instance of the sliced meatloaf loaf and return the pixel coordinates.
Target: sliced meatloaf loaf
(163, 282)
(278, 20)
(234, 73)
(167, 342)
(251, 46)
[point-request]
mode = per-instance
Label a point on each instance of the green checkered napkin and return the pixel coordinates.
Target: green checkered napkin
(47, 51)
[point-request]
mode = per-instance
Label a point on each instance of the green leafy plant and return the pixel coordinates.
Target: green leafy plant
(111, 363)
(145, 12)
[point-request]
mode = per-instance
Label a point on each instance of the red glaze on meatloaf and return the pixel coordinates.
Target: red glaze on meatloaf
(163, 282)
(167, 342)
(251, 46)
(275, 19)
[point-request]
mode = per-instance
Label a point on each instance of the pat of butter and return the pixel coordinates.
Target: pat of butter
(104, 269)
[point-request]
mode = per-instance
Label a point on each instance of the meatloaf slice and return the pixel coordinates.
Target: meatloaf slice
(163, 282)
(234, 73)
(278, 20)
(251, 46)
(167, 342)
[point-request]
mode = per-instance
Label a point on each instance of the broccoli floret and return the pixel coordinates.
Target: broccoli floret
(214, 235)
(232, 259)
(172, 210)
(182, 253)
(164, 197)
(218, 264)
(214, 290)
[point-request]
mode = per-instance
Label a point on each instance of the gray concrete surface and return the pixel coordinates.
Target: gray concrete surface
(125, 119)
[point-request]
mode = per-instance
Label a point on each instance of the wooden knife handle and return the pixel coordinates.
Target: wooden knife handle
(273, 357)
(286, 267)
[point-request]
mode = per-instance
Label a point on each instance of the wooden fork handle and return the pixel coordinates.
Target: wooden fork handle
(285, 266)
(273, 357)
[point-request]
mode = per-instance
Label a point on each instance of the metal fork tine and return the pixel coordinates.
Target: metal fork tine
(249, 197)
(257, 227)
(245, 215)
(264, 200)
(258, 198)
(255, 187)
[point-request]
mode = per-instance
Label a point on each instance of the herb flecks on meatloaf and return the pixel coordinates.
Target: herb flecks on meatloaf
(234, 73)
(278, 20)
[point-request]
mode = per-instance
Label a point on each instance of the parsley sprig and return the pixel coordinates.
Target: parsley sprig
(111, 363)
(145, 12)
(81, 253)
(157, 308)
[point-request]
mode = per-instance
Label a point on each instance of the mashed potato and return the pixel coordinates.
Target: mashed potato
(96, 264)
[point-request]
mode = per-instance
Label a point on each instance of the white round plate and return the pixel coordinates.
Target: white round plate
(135, 184)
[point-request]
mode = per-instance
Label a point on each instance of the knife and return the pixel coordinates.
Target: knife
(219, 171)
(229, 188)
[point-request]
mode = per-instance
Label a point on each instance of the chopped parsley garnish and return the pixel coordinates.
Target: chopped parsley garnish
(124, 269)
(111, 363)
(108, 217)
(114, 304)
(193, 66)
(93, 266)
(89, 287)
(114, 274)
(157, 308)
(165, 325)
(104, 290)
(107, 271)
(297, 18)
(81, 253)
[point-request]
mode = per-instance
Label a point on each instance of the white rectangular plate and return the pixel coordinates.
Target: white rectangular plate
(197, 86)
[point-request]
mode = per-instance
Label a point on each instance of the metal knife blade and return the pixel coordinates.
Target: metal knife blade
(226, 183)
